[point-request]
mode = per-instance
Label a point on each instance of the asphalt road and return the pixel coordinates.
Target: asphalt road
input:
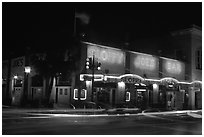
(24, 123)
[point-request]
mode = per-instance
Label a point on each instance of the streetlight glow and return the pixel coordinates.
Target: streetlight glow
(15, 77)
(27, 69)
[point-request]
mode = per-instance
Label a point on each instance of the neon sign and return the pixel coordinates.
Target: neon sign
(173, 67)
(131, 78)
(75, 94)
(107, 55)
(145, 62)
(127, 96)
(127, 78)
(83, 94)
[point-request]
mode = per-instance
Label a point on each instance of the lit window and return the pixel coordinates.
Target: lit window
(198, 59)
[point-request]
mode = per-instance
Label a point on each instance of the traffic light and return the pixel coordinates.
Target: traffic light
(88, 63)
(98, 66)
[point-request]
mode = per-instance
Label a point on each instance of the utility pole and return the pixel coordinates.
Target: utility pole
(93, 67)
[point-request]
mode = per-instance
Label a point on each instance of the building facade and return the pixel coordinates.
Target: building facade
(125, 78)
(128, 78)
(188, 46)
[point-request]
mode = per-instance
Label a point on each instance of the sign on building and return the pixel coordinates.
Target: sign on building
(173, 68)
(144, 65)
(111, 59)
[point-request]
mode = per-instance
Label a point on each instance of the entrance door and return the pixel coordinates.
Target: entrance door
(18, 93)
(103, 97)
(113, 97)
(56, 96)
(141, 99)
(170, 100)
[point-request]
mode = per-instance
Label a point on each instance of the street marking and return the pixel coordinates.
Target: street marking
(194, 115)
(153, 116)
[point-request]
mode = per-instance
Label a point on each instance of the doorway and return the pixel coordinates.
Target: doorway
(170, 100)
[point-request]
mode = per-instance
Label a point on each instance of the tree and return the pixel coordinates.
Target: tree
(50, 63)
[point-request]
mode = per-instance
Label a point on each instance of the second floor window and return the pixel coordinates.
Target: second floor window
(198, 59)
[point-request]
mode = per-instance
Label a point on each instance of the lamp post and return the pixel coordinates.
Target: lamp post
(90, 64)
(27, 71)
(93, 67)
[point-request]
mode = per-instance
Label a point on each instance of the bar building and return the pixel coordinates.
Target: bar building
(130, 78)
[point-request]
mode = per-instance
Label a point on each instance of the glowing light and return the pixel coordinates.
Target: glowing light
(127, 96)
(174, 67)
(155, 86)
(169, 79)
(141, 90)
(131, 75)
(88, 83)
(182, 82)
(121, 84)
(15, 77)
(75, 94)
(171, 86)
(83, 92)
(156, 80)
(199, 82)
(145, 62)
(27, 69)
(142, 84)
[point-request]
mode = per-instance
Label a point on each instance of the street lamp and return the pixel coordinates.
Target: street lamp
(90, 64)
(15, 77)
(27, 69)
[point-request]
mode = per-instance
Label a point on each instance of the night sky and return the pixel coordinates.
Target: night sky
(50, 25)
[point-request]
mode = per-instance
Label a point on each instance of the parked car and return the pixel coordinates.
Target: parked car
(124, 109)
